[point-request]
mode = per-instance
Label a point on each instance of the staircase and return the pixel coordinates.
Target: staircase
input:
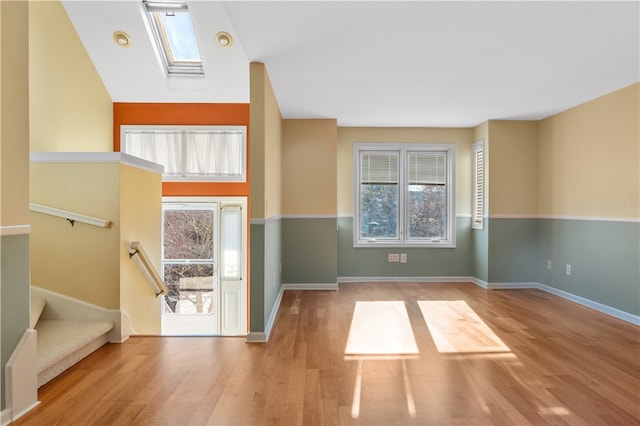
(64, 342)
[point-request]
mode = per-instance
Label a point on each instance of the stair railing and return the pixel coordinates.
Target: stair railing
(147, 267)
(72, 217)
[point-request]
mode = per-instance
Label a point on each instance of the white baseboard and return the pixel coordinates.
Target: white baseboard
(507, 286)
(263, 337)
(257, 337)
(616, 313)
(349, 280)
(311, 286)
(16, 416)
(5, 416)
(20, 378)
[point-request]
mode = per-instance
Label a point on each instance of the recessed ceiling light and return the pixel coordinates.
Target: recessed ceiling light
(224, 39)
(122, 39)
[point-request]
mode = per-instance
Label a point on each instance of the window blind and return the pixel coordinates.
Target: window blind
(427, 168)
(478, 185)
(379, 167)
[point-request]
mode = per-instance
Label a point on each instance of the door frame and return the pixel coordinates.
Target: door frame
(243, 305)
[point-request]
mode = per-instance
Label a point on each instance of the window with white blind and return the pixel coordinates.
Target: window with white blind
(211, 153)
(478, 185)
(403, 195)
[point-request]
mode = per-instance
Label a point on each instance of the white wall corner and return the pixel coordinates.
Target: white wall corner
(257, 337)
(263, 337)
(5, 417)
(479, 282)
(21, 378)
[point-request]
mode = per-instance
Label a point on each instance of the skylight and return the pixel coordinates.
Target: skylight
(174, 37)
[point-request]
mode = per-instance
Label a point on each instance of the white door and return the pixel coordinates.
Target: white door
(231, 271)
(203, 265)
(189, 268)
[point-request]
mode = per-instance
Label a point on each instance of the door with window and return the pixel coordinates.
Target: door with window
(202, 266)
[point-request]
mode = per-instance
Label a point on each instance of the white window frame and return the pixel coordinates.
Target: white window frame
(402, 240)
(186, 177)
(163, 48)
(478, 162)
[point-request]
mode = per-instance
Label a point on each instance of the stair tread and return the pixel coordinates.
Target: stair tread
(59, 338)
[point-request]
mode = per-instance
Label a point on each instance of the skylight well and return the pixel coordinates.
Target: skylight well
(174, 37)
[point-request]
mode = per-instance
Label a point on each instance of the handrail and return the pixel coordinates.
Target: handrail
(72, 217)
(150, 271)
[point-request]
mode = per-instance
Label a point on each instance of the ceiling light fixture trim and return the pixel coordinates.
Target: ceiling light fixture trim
(122, 39)
(224, 39)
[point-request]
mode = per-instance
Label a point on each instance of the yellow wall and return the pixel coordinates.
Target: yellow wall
(14, 107)
(69, 105)
(79, 260)
(266, 146)
(273, 153)
(257, 149)
(309, 167)
(141, 220)
(462, 138)
(589, 158)
(513, 170)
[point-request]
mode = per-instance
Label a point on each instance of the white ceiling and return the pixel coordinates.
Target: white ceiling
(381, 63)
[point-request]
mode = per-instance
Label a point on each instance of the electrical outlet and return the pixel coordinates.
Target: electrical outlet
(548, 264)
(567, 269)
(403, 257)
(394, 257)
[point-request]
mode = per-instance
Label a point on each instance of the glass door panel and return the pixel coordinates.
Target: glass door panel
(189, 269)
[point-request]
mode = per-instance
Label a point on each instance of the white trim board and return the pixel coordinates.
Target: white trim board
(311, 286)
(5, 416)
(560, 217)
(95, 157)
(263, 336)
(616, 313)
(350, 215)
(352, 280)
(15, 230)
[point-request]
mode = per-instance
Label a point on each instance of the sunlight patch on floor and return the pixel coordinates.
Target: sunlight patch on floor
(456, 328)
(381, 328)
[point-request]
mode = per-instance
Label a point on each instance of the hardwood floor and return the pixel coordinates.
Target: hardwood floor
(487, 357)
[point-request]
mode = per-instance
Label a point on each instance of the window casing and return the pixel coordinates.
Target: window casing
(404, 195)
(193, 153)
(174, 37)
(477, 221)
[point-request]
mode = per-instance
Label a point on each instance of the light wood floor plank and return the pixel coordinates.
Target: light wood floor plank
(564, 364)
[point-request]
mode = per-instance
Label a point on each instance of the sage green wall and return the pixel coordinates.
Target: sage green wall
(256, 296)
(14, 294)
(265, 200)
(603, 256)
(309, 251)
(480, 237)
(480, 252)
(272, 264)
(422, 262)
(14, 179)
(513, 251)
(266, 243)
